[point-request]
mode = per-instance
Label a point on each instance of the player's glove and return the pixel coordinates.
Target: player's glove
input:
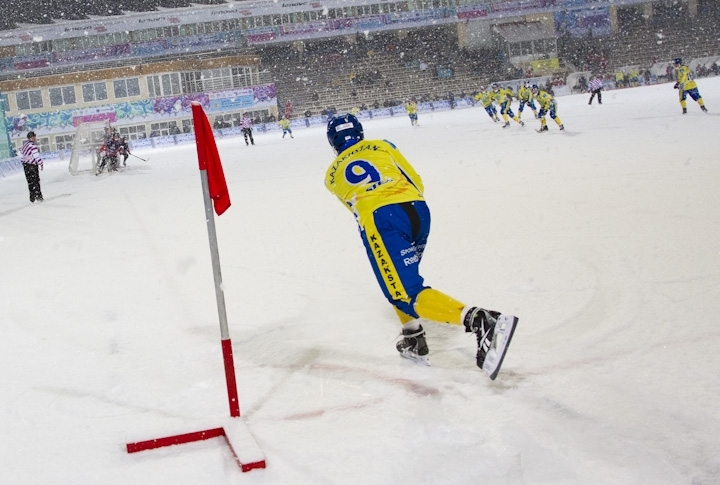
(676, 86)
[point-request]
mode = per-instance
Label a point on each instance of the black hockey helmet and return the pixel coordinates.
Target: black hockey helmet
(31, 134)
(344, 131)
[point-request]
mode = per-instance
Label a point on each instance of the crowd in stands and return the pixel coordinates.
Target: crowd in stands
(382, 69)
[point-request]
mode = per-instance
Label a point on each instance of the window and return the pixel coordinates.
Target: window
(164, 85)
(187, 126)
(62, 95)
(43, 144)
(125, 88)
(64, 142)
(163, 129)
(29, 99)
(242, 77)
(190, 29)
(5, 102)
(133, 132)
(94, 92)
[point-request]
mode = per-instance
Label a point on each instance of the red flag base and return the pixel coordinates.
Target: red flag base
(243, 446)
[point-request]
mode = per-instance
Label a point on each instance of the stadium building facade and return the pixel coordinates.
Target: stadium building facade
(141, 71)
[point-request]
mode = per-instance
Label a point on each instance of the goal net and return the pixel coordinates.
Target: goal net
(89, 137)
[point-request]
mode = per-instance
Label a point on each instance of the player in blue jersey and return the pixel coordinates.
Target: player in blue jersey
(375, 182)
(686, 85)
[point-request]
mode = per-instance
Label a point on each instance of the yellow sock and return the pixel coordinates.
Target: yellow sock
(439, 307)
(683, 104)
(557, 120)
(404, 317)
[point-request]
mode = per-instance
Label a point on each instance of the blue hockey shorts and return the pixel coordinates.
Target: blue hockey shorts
(552, 110)
(694, 94)
(395, 239)
(505, 109)
(529, 103)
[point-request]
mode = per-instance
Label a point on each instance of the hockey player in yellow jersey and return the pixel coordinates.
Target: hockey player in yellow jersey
(285, 125)
(525, 97)
(503, 97)
(411, 109)
(375, 182)
(547, 106)
(686, 85)
(486, 99)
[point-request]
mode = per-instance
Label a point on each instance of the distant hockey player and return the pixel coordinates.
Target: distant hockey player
(285, 125)
(32, 163)
(595, 87)
(686, 85)
(110, 152)
(246, 128)
(503, 97)
(547, 106)
(525, 97)
(376, 183)
(124, 150)
(411, 109)
(485, 98)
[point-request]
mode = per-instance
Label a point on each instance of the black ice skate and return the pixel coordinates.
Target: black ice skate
(413, 345)
(704, 108)
(494, 332)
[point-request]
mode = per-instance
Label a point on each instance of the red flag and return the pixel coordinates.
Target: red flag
(209, 160)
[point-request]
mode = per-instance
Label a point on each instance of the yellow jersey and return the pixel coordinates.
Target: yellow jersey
(524, 94)
(685, 79)
(372, 174)
(484, 97)
(544, 99)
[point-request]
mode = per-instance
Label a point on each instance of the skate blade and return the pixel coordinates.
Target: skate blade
(420, 359)
(504, 330)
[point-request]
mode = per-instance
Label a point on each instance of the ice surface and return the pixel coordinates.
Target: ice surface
(604, 241)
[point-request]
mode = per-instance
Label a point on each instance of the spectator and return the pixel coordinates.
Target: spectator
(288, 109)
(582, 83)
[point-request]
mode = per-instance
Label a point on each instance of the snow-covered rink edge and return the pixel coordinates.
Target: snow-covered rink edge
(604, 240)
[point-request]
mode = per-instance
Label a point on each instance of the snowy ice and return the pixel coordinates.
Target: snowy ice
(603, 240)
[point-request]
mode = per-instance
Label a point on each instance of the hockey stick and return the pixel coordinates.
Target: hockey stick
(143, 159)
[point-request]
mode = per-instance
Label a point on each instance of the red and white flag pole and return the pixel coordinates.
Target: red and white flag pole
(245, 449)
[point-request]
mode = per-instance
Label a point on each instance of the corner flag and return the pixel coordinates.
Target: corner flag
(209, 160)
